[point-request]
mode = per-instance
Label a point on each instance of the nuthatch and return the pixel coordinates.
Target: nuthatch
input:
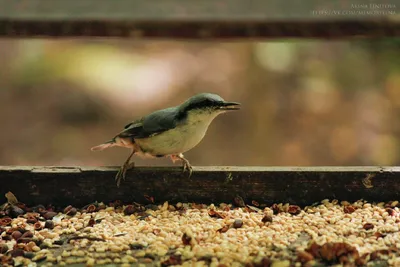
(169, 132)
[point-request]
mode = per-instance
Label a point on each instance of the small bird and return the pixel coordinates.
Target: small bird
(169, 132)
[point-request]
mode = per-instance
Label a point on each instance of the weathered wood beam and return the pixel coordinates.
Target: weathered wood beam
(78, 186)
(206, 19)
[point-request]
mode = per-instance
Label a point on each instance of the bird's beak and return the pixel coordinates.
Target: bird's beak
(230, 106)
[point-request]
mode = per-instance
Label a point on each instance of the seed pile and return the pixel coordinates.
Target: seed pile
(189, 234)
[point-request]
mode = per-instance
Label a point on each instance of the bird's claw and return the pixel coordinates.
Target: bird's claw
(120, 175)
(188, 167)
(186, 164)
(122, 172)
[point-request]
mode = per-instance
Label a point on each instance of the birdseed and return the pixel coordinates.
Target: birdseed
(188, 234)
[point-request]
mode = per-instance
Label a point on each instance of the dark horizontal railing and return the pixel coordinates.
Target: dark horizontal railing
(297, 185)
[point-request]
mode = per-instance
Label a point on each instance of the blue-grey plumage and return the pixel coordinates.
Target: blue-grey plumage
(171, 131)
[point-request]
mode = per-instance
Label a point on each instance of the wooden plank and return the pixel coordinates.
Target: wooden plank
(207, 19)
(78, 186)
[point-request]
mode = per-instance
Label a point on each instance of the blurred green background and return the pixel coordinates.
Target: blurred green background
(304, 102)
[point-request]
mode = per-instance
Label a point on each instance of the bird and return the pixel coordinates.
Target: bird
(169, 132)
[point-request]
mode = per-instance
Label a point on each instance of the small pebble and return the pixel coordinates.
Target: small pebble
(49, 215)
(29, 254)
(49, 224)
(368, 226)
(266, 218)
(16, 235)
(3, 248)
(237, 223)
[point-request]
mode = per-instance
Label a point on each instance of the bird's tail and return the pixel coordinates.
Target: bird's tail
(103, 146)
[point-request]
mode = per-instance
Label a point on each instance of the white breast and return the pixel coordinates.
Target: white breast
(180, 139)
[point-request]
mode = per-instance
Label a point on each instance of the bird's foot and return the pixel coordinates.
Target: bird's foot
(120, 175)
(122, 172)
(186, 164)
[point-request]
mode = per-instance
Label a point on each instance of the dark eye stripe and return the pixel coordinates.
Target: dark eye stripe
(204, 103)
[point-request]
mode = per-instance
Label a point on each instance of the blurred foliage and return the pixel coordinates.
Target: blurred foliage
(304, 102)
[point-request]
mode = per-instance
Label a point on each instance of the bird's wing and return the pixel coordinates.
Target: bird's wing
(152, 124)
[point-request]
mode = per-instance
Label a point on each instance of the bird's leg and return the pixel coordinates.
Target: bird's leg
(126, 166)
(186, 164)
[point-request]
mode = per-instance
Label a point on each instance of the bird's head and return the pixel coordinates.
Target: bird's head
(208, 103)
